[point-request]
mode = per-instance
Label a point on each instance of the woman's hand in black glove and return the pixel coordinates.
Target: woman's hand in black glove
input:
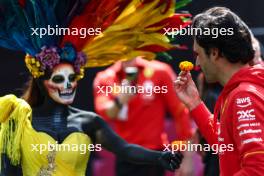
(171, 161)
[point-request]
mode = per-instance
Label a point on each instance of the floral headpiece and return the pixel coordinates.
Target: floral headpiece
(48, 58)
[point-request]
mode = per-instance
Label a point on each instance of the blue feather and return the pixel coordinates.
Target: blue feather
(16, 22)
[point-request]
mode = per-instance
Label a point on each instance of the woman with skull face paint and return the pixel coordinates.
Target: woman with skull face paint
(62, 84)
(32, 126)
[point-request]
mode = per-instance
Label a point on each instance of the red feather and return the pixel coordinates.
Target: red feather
(168, 2)
(22, 3)
(97, 14)
(153, 48)
(176, 21)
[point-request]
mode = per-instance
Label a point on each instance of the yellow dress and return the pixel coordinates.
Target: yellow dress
(37, 152)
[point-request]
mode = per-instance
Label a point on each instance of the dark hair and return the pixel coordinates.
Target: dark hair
(33, 93)
(261, 51)
(236, 47)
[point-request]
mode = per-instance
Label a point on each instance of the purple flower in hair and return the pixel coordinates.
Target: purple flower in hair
(48, 58)
(80, 61)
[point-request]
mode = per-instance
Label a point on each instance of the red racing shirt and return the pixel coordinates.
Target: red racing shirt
(146, 113)
(241, 110)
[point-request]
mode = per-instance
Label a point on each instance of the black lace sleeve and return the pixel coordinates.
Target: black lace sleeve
(101, 133)
(109, 140)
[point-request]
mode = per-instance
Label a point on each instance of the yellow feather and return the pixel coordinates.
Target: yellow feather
(129, 32)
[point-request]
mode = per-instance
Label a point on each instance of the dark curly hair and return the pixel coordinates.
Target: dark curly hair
(237, 48)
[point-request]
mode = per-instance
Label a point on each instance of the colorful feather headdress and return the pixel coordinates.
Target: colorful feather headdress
(128, 28)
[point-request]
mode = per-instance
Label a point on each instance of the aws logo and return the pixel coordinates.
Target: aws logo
(243, 102)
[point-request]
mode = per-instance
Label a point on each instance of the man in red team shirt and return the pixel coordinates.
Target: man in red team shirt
(139, 113)
(240, 106)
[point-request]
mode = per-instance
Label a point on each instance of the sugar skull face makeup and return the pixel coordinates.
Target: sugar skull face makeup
(61, 86)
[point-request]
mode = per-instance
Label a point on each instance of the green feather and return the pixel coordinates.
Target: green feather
(182, 3)
(164, 55)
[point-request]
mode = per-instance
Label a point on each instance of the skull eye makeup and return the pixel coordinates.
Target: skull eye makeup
(61, 86)
(72, 77)
(58, 79)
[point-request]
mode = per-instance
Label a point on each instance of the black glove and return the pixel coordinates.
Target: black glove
(170, 161)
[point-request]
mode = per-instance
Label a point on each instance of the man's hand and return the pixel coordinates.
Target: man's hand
(124, 98)
(121, 98)
(170, 161)
(187, 91)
